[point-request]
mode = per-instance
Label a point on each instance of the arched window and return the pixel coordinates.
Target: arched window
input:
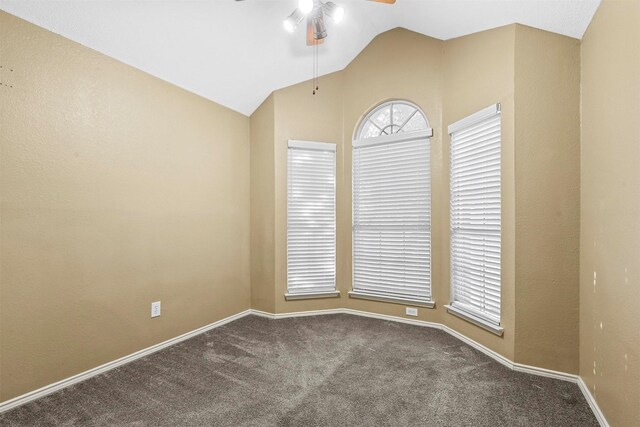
(391, 118)
(392, 206)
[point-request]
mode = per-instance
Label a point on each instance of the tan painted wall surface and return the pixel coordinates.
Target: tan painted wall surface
(547, 135)
(478, 72)
(610, 211)
(117, 190)
(262, 208)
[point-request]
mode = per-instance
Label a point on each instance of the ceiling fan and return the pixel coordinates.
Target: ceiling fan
(315, 11)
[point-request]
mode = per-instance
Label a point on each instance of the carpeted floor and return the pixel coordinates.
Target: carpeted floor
(332, 370)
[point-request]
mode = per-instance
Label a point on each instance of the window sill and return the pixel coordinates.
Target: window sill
(393, 300)
(312, 295)
(494, 329)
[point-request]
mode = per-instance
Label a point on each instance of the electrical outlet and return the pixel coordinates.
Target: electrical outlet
(155, 309)
(411, 311)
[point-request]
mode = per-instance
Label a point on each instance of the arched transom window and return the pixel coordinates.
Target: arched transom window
(390, 118)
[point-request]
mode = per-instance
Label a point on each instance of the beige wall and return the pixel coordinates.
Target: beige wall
(117, 190)
(479, 71)
(263, 208)
(547, 156)
(610, 211)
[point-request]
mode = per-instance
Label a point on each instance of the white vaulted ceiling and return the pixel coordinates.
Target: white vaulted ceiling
(236, 53)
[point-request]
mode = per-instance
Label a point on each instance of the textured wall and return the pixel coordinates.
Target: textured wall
(547, 155)
(117, 190)
(610, 211)
(262, 208)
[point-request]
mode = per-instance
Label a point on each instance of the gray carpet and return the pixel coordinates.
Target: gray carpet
(337, 370)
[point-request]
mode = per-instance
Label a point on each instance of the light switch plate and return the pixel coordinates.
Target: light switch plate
(155, 309)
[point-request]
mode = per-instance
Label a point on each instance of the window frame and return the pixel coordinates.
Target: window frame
(393, 138)
(476, 317)
(313, 146)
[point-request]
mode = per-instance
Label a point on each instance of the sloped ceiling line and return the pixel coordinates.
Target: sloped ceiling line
(236, 53)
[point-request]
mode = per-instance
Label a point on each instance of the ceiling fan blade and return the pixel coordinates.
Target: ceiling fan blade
(385, 1)
(312, 41)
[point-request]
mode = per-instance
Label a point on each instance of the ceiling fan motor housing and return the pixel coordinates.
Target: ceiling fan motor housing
(319, 27)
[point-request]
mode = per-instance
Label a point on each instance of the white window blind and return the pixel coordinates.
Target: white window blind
(392, 217)
(311, 218)
(475, 215)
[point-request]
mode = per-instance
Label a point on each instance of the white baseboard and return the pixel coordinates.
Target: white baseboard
(51, 388)
(296, 313)
(481, 348)
(592, 403)
(573, 378)
(392, 318)
(496, 356)
(36, 394)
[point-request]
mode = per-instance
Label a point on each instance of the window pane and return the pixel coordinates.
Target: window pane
(382, 117)
(369, 131)
(311, 223)
(475, 218)
(417, 122)
(401, 113)
(391, 220)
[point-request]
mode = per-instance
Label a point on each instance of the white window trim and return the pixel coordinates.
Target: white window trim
(478, 321)
(479, 116)
(311, 295)
(452, 308)
(393, 300)
(391, 139)
(317, 146)
(312, 145)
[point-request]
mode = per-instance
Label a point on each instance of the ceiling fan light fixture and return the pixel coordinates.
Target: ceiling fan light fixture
(319, 28)
(305, 6)
(334, 11)
(291, 22)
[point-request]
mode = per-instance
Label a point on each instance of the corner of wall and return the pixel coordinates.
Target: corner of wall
(262, 172)
(547, 179)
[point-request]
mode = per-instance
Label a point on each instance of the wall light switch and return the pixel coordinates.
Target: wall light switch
(411, 311)
(155, 309)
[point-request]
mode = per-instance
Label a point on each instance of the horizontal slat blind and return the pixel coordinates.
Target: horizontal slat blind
(475, 216)
(311, 218)
(392, 219)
